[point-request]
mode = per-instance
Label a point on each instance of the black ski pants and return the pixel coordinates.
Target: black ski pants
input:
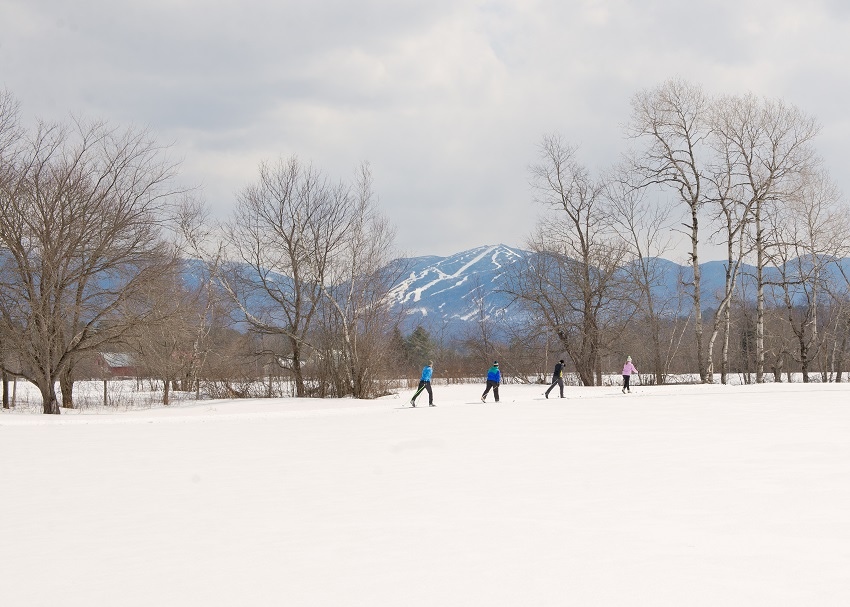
(495, 386)
(556, 381)
(427, 386)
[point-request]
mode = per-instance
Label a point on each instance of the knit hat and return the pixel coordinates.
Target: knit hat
(628, 359)
(561, 361)
(495, 363)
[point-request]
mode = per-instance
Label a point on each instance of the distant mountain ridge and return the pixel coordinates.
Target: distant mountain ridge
(445, 293)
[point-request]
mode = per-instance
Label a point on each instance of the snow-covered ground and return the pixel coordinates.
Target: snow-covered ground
(682, 495)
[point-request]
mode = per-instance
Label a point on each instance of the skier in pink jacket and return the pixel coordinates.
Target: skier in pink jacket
(628, 369)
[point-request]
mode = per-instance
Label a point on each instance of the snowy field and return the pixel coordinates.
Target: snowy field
(682, 495)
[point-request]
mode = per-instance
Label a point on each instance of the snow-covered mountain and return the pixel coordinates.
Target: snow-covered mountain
(447, 292)
(447, 295)
(444, 294)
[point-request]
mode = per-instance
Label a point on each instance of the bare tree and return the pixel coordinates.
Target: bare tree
(570, 283)
(10, 135)
(836, 335)
(770, 146)
(10, 129)
(204, 259)
(286, 229)
(673, 119)
(809, 232)
(81, 221)
(174, 348)
(356, 312)
(644, 230)
(730, 211)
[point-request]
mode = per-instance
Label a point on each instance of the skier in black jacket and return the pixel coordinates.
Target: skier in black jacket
(557, 378)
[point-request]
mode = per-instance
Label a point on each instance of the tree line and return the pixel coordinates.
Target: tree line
(101, 249)
(738, 171)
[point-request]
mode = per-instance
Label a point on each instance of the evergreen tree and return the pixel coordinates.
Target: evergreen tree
(419, 348)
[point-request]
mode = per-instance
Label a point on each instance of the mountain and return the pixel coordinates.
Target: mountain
(445, 293)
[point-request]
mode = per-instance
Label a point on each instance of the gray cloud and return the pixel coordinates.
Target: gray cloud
(447, 99)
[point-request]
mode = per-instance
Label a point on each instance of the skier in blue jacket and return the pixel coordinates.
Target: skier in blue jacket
(425, 384)
(494, 378)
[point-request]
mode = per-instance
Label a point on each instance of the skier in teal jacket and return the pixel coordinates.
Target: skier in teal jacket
(425, 384)
(494, 378)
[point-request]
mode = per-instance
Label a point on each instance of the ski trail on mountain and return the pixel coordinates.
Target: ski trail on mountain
(416, 294)
(474, 260)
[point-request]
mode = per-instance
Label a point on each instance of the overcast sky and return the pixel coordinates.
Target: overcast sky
(446, 99)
